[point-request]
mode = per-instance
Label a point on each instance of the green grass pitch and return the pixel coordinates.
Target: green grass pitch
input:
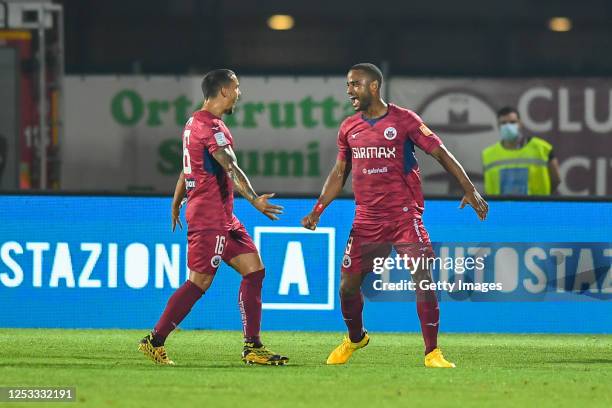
(493, 370)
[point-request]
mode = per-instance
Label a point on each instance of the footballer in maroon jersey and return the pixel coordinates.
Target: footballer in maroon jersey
(209, 177)
(377, 145)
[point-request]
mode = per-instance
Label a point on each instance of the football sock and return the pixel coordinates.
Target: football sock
(249, 302)
(352, 308)
(179, 305)
(429, 315)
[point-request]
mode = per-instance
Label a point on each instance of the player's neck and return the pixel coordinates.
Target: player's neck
(214, 108)
(376, 109)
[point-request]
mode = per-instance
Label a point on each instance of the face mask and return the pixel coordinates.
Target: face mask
(509, 131)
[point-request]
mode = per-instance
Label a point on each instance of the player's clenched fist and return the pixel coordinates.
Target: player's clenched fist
(310, 221)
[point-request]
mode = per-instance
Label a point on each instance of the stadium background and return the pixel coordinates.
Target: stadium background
(116, 107)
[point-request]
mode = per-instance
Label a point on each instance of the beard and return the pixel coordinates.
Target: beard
(364, 102)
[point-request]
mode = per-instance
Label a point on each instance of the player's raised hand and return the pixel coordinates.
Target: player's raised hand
(269, 210)
(311, 220)
(475, 200)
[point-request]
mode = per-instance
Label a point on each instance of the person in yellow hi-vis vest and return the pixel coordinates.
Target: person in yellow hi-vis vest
(519, 165)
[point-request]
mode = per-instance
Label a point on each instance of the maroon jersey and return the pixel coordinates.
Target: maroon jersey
(386, 179)
(210, 196)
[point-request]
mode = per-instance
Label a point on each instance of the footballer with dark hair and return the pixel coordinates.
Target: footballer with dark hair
(377, 144)
(214, 234)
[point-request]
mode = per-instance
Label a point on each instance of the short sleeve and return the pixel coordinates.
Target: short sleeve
(343, 147)
(421, 135)
(215, 137)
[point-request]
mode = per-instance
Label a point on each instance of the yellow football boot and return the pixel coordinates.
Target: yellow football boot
(262, 356)
(435, 359)
(157, 354)
(345, 350)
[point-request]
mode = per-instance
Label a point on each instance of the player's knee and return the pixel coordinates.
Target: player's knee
(422, 275)
(201, 280)
(246, 264)
(257, 275)
(348, 289)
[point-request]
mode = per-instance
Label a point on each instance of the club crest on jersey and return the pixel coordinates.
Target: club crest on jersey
(346, 261)
(221, 139)
(215, 261)
(390, 133)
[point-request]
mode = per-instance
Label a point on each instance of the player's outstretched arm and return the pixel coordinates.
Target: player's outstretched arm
(177, 200)
(472, 196)
(331, 189)
(227, 159)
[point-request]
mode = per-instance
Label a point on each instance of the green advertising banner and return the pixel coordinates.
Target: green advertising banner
(123, 133)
